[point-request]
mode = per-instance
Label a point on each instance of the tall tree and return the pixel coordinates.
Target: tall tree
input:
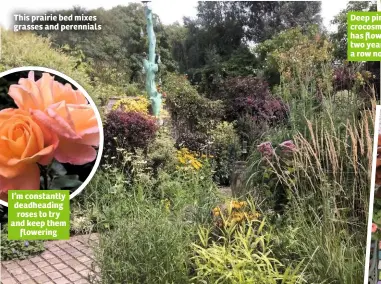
(117, 50)
(222, 28)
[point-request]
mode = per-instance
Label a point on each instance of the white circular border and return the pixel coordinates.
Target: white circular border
(97, 114)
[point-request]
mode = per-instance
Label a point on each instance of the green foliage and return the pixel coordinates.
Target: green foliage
(115, 53)
(225, 149)
(189, 110)
(26, 49)
(18, 249)
(191, 193)
(144, 237)
(291, 54)
(147, 247)
(241, 256)
(162, 151)
(327, 183)
(99, 206)
(376, 218)
(147, 210)
(269, 18)
(216, 43)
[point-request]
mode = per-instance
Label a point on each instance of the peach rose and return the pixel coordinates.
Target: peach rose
(23, 144)
(65, 112)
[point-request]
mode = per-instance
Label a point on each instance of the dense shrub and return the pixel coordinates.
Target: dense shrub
(343, 78)
(291, 53)
(196, 141)
(251, 95)
(189, 110)
(226, 150)
(162, 151)
(250, 128)
(128, 131)
(249, 101)
(354, 77)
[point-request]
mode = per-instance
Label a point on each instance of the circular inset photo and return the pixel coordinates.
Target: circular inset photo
(51, 134)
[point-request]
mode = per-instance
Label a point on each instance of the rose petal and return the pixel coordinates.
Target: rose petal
(10, 171)
(45, 84)
(66, 93)
(69, 151)
(23, 98)
(33, 159)
(28, 180)
(56, 124)
(90, 139)
(50, 139)
(84, 119)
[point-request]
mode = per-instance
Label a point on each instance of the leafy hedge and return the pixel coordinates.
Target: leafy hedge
(27, 49)
(187, 107)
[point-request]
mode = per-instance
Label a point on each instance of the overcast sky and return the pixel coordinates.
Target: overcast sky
(169, 11)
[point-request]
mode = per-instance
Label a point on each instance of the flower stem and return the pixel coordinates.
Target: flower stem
(44, 174)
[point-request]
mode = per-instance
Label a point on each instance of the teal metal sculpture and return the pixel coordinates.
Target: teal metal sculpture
(151, 65)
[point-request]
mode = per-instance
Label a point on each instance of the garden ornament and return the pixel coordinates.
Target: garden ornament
(151, 64)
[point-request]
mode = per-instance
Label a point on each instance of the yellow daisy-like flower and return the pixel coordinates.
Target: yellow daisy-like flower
(216, 211)
(235, 205)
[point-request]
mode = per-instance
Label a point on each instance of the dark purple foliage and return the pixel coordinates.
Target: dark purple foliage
(252, 96)
(127, 130)
(195, 141)
(343, 78)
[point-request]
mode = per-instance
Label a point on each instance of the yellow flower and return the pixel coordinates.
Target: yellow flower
(235, 205)
(216, 211)
(187, 158)
(129, 104)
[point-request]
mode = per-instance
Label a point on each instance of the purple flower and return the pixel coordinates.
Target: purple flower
(26, 243)
(287, 146)
(266, 149)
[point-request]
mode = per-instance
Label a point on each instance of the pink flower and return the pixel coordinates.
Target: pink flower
(266, 149)
(374, 228)
(287, 146)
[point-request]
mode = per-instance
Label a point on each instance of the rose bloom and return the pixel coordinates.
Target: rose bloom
(374, 227)
(64, 111)
(23, 144)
